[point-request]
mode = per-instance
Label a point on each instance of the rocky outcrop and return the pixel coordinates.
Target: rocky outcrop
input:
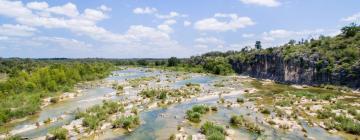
(302, 70)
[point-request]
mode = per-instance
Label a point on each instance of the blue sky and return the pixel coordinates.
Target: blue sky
(162, 28)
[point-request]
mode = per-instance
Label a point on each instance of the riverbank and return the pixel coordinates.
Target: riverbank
(162, 97)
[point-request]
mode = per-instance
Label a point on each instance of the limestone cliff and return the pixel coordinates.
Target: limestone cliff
(303, 70)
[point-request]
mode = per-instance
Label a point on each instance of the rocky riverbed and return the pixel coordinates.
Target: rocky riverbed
(160, 100)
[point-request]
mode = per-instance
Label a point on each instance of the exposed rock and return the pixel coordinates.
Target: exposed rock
(302, 70)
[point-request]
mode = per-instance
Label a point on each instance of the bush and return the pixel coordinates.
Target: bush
(126, 122)
(324, 114)
(347, 125)
(172, 137)
(54, 100)
(237, 120)
(93, 122)
(194, 114)
(214, 108)
(60, 133)
(265, 111)
(213, 131)
(240, 100)
(162, 96)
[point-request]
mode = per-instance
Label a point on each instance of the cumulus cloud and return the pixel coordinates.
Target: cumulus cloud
(32, 15)
(209, 40)
(221, 22)
(352, 18)
(187, 23)
(247, 35)
(84, 23)
(267, 3)
(286, 34)
(145, 10)
(37, 5)
(16, 30)
(170, 22)
(68, 9)
(172, 14)
(104, 8)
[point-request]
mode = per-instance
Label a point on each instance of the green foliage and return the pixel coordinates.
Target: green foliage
(29, 81)
(213, 131)
(172, 137)
(94, 116)
(265, 111)
(126, 122)
(237, 120)
(240, 100)
(351, 30)
(218, 65)
(59, 133)
(324, 114)
(173, 61)
(195, 113)
(347, 125)
(258, 45)
(284, 103)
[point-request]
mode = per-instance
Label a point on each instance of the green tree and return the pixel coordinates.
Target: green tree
(350, 30)
(258, 45)
(173, 61)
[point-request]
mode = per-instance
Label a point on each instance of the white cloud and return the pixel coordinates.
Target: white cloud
(68, 44)
(94, 15)
(69, 9)
(268, 3)
(170, 22)
(247, 35)
(104, 8)
(172, 14)
(187, 23)
(165, 28)
(37, 5)
(16, 30)
(84, 23)
(145, 10)
(201, 46)
(209, 40)
(232, 22)
(286, 34)
(352, 18)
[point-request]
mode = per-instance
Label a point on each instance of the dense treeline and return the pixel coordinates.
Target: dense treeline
(338, 55)
(30, 80)
(341, 52)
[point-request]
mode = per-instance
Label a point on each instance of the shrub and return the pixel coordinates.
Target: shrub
(172, 137)
(54, 100)
(126, 122)
(324, 114)
(265, 111)
(347, 125)
(214, 108)
(213, 131)
(237, 120)
(352, 111)
(91, 121)
(162, 96)
(60, 133)
(240, 100)
(194, 114)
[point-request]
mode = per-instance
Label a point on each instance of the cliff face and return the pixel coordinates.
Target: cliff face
(296, 71)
